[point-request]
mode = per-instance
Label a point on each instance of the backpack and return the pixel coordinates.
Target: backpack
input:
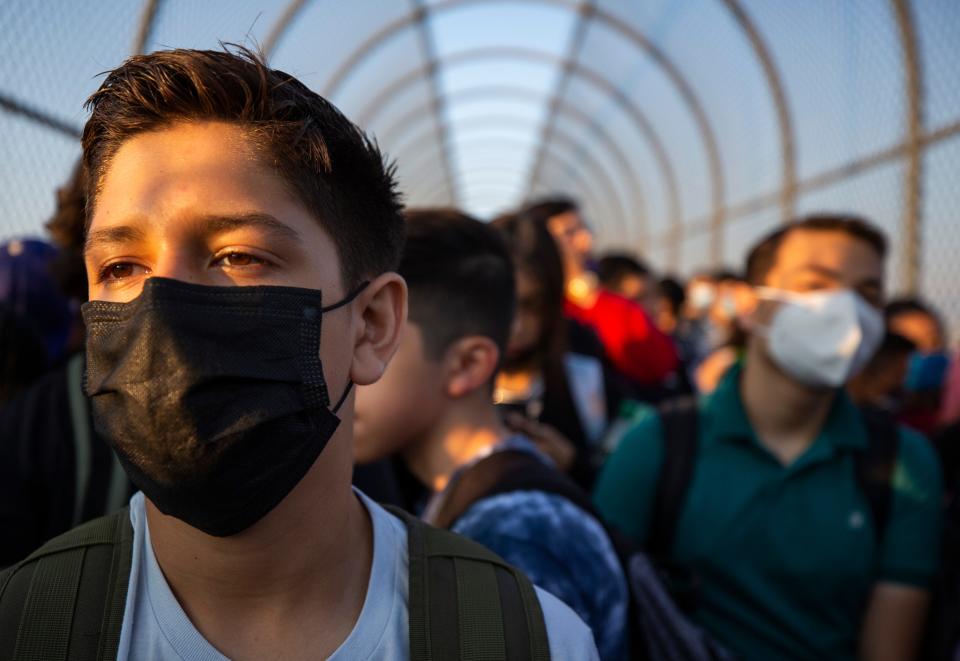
(657, 628)
(941, 641)
(680, 420)
(66, 600)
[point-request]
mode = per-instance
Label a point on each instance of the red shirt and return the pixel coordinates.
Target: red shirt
(634, 345)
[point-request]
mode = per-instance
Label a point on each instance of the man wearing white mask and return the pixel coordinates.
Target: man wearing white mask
(811, 528)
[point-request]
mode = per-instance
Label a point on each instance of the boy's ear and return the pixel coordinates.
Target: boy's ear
(383, 313)
(470, 363)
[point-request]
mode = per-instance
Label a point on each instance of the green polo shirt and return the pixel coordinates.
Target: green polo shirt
(786, 554)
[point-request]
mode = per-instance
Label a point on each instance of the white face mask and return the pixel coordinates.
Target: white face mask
(701, 296)
(821, 338)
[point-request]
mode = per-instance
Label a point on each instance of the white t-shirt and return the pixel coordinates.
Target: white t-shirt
(155, 626)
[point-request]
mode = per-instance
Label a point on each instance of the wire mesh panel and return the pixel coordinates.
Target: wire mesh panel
(50, 56)
(941, 231)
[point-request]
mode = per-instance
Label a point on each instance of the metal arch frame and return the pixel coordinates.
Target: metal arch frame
(579, 36)
(602, 176)
(634, 184)
(279, 29)
(639, 121)
(778, 94)
(433, 66)
(659, 58)
(570, 168)
(692, 101)
(573, 172)
(632, 189)
(910, 226)
(570, 173)
(148, 16)
(432, 182)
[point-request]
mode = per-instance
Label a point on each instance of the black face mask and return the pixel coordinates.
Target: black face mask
(213, 397)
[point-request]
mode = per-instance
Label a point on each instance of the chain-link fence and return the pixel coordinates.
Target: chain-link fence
(688, 127)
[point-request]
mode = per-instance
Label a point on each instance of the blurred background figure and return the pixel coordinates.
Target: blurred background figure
(55, 471)
(880, 383)
(36, 318)
(553, 371)
(724, 336)
(636, 348)
(626, 275)
(923, 384)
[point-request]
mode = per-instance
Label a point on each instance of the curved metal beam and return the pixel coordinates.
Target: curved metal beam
(779, 97)
(633, 180)
(279, 29)
(15, 107)
(602, 177)
(634, 191)
(430, 184)
(692, 101)
(633, 35)
(148, 16)
(430, 55)
(585, 193)
(577, 40)
(640, 122)
(570, 169)
(913, 176)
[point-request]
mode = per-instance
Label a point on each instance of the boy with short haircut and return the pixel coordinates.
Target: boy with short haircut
(231, 211)
(434, 408)
(812, 527)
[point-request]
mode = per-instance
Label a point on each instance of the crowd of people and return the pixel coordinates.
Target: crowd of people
(253, 407)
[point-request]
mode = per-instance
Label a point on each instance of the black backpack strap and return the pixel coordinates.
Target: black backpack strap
(874, 466)
(66, 600)
(466, 603)
(679, 419)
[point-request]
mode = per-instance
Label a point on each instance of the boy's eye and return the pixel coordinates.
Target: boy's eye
(118, 271)
(239, 259)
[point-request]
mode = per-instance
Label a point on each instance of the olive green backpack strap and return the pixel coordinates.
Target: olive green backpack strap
(66, 600)
(467, 603)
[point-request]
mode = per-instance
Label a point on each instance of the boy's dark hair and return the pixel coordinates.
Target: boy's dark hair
(544, 209)
(906, 305)
(614, 267)
(764, 254)
(460, 278)
(672, 290)
(327, 161)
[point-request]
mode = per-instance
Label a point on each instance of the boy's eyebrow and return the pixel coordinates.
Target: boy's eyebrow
(112, 235)
(209, 225)
(219, 224)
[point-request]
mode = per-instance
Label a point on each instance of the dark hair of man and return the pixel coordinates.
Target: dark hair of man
(460, 278)
(328, 163)
(909, 305)
(544, 209)
(614, 267)
(726, 275)
(672, 290)
(764, 254)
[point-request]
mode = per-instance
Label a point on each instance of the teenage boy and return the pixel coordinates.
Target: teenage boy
(634, 345)
(805, 545)
(232, 210)
(434, 407)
